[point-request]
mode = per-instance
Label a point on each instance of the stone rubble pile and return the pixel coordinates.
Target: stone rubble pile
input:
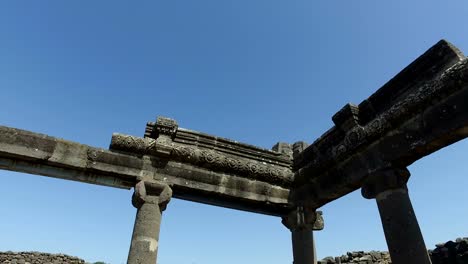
(359, 257)
(10, 257)
(445, 253)
(451, 252)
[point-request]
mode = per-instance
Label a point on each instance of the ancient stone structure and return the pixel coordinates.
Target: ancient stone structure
(420, 110)
(359, 257)
(451, 252)
(37, 258)
(445, 253)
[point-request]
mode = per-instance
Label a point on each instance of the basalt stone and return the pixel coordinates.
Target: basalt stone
(10, 257)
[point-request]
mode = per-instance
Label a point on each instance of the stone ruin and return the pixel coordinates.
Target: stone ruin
(445, 253)
(419, 111)
(37, 258)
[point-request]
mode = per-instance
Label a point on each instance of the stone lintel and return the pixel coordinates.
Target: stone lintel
(38, 154)
(434, 116)
(429, 79)
(426, 67)
(213, 159)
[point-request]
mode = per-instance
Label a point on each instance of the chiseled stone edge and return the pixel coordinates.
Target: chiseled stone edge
(211, 159)
(400, 111)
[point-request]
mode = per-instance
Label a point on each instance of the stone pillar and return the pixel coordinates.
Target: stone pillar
(150, 199)
(302, 223)
(404, 239)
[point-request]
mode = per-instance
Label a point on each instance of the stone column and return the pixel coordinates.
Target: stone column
(302, 222)
(404, 239)
(150, 199)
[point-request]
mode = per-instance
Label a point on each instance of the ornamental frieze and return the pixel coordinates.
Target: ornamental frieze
(420, 98)
(206, 158)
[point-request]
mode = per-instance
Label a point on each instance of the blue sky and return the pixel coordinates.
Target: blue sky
(254, 71)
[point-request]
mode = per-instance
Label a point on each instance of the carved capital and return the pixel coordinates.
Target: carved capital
(151, 192)
(384, 180)
(303, 219)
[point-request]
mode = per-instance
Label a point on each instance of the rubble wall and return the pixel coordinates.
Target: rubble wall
(451, 252)
(10, 257)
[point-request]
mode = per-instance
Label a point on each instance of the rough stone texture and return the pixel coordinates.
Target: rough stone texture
(402, 232)
(419, 111)
(10, 257)
(451, 252)
(214, 159)
(445, 253)
(301, 223)
(422, 109)
(359, 257)
(35, 153)
(150, 199)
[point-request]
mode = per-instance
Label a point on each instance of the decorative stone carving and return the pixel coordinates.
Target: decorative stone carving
(166, 126)
(420, 98)
(163, 126)
(207, 158)
(304, 219)
(92, 155)
(151, 192)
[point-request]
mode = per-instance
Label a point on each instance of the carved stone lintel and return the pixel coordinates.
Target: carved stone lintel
(383, 180)
(211, 159)
(357, 135)
(303, 219)
(153, 193)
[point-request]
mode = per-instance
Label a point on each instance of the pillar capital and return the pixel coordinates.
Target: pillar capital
(391, 178)
(303, 219)
(153, 193)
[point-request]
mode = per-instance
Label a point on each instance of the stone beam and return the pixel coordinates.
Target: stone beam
(39, 154)
(419, 111)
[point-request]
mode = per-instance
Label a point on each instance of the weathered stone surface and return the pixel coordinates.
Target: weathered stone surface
(420, 110)
(451, 252)
(44, 155)
(418, 118)
(150, 199)
(33, 257)
(359, 257)
(265, 170)
(444, 253)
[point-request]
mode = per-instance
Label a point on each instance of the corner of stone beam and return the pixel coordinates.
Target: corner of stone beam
(347, 117)
(444, 44)
(163, 126)
(297, 148)
(283, 148)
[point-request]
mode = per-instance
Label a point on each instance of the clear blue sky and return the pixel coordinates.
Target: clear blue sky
(256, 71)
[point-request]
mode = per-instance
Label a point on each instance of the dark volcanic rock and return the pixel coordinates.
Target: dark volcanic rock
(445, 253)
(10, 257)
